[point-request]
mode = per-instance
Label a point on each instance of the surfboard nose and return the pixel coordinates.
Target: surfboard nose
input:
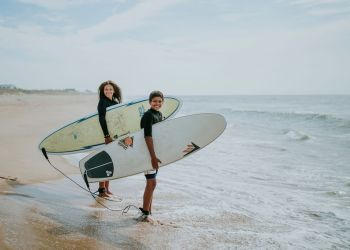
(222, 123)
(214, 123)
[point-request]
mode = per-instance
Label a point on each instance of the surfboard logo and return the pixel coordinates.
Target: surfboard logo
(141, 110)
(108, 173)
(191, 148)
(126, 142)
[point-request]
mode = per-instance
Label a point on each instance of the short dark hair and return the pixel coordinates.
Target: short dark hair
(155, 93)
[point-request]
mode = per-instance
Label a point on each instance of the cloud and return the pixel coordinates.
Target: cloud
(132, 18)
(322, 7)
(228, 59)
(31, 50)
(332, 11)
(314, 2)
(56, 4)
(236, 16)
(304, 61)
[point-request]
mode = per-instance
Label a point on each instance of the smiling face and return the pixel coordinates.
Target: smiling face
(156, 103)
(108, 91)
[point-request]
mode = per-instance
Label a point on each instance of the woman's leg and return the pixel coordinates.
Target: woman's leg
(102, 189)
(107, 188)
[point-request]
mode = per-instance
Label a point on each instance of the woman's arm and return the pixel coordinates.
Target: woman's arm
(102, 109)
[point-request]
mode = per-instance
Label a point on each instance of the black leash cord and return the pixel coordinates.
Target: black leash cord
(124, 210)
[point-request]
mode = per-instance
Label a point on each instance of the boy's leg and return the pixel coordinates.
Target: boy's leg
(150, 206)
(148, 194)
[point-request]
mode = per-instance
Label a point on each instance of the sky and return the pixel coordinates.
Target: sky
(181, 47)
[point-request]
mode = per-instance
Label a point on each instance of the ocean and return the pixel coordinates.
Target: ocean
(277, 178)
(282, 166)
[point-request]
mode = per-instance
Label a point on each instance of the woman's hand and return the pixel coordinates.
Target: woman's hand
(108, 139)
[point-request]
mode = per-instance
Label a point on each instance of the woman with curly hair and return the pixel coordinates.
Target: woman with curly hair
(109, 94)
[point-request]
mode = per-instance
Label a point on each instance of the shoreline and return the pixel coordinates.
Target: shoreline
(13, 90)
(9, 182)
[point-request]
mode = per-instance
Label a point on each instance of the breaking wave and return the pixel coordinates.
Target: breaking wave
(327, 119)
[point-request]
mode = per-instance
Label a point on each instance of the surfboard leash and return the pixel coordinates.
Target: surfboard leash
(124, 210)
(47, 158)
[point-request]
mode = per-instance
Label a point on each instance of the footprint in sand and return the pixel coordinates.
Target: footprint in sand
(16, 194)
(9, 178)
(154, 222)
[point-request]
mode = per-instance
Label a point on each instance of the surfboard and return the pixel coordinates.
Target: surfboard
(86, 134)
(173, 140)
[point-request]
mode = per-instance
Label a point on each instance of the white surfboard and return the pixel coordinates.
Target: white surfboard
(86, 133)
(173, 140)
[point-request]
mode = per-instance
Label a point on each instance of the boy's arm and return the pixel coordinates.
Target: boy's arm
(154, 159)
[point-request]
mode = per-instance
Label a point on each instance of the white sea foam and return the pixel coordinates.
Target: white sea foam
(296, 135)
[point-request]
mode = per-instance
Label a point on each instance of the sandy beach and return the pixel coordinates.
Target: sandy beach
(25, 119)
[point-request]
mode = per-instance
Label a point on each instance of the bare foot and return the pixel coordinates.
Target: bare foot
(147, 218)
(103, 195)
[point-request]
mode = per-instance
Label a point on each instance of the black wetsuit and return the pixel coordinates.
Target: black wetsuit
(102, 106)
(149, 118)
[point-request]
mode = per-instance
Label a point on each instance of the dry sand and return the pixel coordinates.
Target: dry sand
(25, 120)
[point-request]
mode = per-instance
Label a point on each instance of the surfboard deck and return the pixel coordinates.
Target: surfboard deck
(86, 134)
(173, 140)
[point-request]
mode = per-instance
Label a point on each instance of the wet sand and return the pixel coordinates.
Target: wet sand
(59, 215)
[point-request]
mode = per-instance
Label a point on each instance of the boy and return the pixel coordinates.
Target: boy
(149, 118)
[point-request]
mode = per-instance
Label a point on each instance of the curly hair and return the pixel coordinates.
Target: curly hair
(117, 91)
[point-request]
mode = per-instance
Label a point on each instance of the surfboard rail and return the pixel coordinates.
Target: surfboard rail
(121, 118)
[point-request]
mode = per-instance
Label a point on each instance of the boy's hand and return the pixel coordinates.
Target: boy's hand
(108, 139)
(155, 162)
